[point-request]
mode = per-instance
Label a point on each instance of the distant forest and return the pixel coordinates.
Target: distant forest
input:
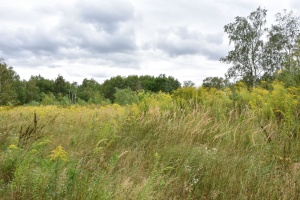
(39, 90)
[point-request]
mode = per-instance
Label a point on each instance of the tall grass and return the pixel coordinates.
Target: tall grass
(197, 144)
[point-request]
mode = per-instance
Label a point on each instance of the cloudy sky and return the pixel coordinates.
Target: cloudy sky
(100, 39)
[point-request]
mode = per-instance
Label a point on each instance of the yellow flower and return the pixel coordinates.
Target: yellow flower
(59, 153)
(13, 147)
(279, 71)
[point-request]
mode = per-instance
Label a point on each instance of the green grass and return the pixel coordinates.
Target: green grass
(184, 151)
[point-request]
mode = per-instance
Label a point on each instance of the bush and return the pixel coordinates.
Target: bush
(125, 96)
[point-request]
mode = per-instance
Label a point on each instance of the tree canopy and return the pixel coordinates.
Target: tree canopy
(8, 84)
(39, 90)
(260, 52)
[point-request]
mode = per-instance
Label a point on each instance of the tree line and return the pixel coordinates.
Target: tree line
(39, 90)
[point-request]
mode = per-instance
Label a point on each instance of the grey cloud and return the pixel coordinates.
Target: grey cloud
(37, 42)
(180, 41)
(29, 61)
(105, 15)
(101, 27)
(99, 42)
(124, 60)
(90, 30)
(87, 37)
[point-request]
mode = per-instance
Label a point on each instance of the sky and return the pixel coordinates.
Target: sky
(101, 39)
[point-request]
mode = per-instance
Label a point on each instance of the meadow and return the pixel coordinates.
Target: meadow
(192, 144)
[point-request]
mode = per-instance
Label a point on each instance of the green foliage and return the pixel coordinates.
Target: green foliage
(21, 91)
(165, 84)
(89, 90)
(109, 87)
(160, 83)
(98, 99)
(283, 37)
(32, 91)
(45, 85)
(125, 96)
(65, 101)
(148, 83)
(186, 94)
(246, 33)
(260, 53)
(214, 82)
(204, 97)
(153, 101)
(8, 85)
(38, 90)
(290, 78)
(133, 82)
(60, 86)
(48, 99)
(188, 84)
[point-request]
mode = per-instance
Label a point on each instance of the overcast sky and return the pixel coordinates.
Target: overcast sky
(100, 39)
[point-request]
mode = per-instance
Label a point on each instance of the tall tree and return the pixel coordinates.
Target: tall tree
(246, 34)
(282, 43)
(89, 90)
(73, 89)
(21, 91)
(148, 82)
(45, 85)
(60, 85)
(214, 82)
(8, 85)
(32, 90)
(133, 82)
(290, 74)
(109, 87)
(165, 84)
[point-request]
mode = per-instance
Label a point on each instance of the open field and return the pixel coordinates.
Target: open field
(195, 144)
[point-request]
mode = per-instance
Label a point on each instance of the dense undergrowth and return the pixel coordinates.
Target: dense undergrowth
(193, 144)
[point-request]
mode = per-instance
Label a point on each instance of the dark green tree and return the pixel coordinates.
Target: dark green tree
(8, 85)
(60, 86)
(21, 91)
(109, 87)
(148, 83)
(133, 82)
(165, 84)
(32, 90)
(89, 91)
(45, 85)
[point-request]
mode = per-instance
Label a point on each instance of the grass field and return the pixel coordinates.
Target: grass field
(195, 144)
